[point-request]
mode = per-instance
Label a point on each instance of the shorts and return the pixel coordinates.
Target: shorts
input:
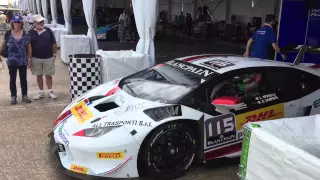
(42, 66)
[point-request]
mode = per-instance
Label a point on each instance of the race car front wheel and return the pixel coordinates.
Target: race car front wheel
(169, 151)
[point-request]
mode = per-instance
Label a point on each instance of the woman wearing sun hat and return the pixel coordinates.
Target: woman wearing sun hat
(17, 48)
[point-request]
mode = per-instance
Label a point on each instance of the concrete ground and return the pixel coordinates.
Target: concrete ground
(24, 127)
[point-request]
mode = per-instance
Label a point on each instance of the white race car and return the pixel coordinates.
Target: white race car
(161, 119)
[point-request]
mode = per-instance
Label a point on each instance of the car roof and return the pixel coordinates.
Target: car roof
(234, 62)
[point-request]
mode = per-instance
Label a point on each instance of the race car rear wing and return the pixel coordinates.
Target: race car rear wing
(300, 55)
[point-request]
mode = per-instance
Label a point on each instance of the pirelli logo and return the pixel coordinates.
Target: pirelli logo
(110, 155)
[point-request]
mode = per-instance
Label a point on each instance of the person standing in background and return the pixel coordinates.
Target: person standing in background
(181, 22)
(44, 50)
(133, 29)
(29, 16)
(18, 45)
(189, 24)
(3, 22)
(123, 27)
(262, 39)
(29, 24)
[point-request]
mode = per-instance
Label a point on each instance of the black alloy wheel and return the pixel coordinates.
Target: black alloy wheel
(169, 151)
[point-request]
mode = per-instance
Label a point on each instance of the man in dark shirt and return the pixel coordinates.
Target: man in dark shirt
(263, 38)
(44, 50)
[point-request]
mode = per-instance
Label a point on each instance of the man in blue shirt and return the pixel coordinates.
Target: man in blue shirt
(262, 39)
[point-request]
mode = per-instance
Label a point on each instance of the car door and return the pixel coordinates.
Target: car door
(224, 132)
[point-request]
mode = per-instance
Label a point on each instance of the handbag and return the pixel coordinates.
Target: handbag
(4, 52)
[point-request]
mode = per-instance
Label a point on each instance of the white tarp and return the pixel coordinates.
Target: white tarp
(73, 44)
(66, 5)
(90, 13)
(38, 5)
(118, 64)
(53, 7)
(57, 34)
(145, 13)
(286, 149)
(44, 4)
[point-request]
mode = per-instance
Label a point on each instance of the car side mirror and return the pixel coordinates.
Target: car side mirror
(226, 103)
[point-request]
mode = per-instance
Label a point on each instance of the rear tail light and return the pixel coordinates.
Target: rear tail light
(61, 118)
(95, 132)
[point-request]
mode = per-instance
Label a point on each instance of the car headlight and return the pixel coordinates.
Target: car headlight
(160, 113)
(95, 132)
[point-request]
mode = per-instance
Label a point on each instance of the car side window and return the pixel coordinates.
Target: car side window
(284, 79)
(244, 85)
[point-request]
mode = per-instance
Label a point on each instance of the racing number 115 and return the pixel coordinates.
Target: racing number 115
(220, 125)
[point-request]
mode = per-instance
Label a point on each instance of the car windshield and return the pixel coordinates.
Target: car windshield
(163, 82)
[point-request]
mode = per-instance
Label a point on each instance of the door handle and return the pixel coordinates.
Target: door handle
(292, 105)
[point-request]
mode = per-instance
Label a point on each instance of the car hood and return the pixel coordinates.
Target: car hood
(106, 105)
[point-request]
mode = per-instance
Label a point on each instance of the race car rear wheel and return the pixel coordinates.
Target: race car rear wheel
(169, 151)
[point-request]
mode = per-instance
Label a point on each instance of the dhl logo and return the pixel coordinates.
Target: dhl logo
(81, 112)
(268, 113)
(106, 155)
(79, 169)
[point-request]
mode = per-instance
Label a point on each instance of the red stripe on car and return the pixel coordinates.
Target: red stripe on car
(113, 91)
(223, 151)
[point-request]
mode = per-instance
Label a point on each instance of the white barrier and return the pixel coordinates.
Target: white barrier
(118, 64)
(285, 149)
(73, 44)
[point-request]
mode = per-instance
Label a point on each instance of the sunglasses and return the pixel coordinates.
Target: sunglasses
(18, 22)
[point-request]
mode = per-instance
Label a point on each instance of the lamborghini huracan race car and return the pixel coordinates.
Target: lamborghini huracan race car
(163, 118)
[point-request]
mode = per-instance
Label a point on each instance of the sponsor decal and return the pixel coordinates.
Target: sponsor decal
(110, 155)
(244, 106)
(268, 113)
(81, 112)
(191, 68)
(315, 13)
(217, 64)
(266, 98)
(220, 129)
(61, 134)
(116, 168)
(129, 108)
(78, 169)
(120, 123)
(316, 103)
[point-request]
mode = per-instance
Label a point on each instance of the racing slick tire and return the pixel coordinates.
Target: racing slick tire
(168, 151)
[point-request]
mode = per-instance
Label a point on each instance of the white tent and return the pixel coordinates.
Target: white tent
(34, 7)
(53, 7)
(44, 4)
(89, 11)
(66, 5)
(38, 5)
(145, 13)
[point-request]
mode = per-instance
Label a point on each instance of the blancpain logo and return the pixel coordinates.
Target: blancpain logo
(315, 13)
(196, 70)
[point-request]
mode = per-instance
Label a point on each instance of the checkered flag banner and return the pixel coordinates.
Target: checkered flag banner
(84, 72)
